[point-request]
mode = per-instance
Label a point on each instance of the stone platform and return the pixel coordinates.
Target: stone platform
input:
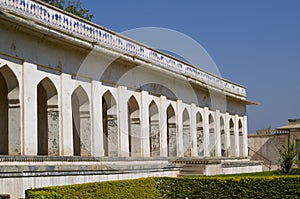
(214, 166)
(20, 173)
(24, 172)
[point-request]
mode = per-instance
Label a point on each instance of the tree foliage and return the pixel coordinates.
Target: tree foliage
(71, 6)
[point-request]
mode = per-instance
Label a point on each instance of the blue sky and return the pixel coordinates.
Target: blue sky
(254, 43)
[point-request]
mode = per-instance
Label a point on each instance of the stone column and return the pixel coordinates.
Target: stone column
(145, 135)
(123, 122)
(236, 136)
(30, 110)
(206, 131)
(227, 135)
(194, 130)
(163, 126)
(66, 124)
(97, 120)
(179, 138)
(53, 129)
(245, 137)
(218, 134)
(14, 122)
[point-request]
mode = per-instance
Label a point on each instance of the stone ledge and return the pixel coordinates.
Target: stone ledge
(241, 164)
(77, 159)
(80, 173)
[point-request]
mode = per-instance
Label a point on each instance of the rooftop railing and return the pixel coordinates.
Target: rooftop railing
(83, 28)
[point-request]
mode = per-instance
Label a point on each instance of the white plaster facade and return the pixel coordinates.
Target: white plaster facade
(23, 59)
(73, 88)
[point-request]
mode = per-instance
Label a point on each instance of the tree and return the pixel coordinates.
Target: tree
(71, 6)
(287, 158)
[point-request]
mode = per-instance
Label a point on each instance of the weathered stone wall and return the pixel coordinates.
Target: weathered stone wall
(269, 146)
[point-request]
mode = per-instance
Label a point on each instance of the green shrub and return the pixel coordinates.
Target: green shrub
(287, 158)
(139, 188)
(182, 187)
(231, 187)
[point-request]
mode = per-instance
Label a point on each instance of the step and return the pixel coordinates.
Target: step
(192, 172)
(183, 175)
(192, 169)
(196, 167)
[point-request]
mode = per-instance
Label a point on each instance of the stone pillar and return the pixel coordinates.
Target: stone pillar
(85, 130)
(163, 126)
(227, 135)
(30, 110)
(218, 134)
(97, 121)
(66, 124)
(14, 122)
(245, 137)
(236, 136)
(145, 135)
(206, 131)
(53, 129)
(179, 138)
(123, 122)
(193, 129)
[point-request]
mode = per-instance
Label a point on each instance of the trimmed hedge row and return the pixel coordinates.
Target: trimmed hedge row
(139, 188)
(231, 187)
(182, 187)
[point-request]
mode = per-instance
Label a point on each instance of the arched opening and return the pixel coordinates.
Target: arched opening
(154, 130)
(81, 123)
(223, 137)
(211, 146)
(187, 140)
(200, 137)
(110, 125)
(134, 127)
(171, 132)
(48, 118)
(10, 136)
(231, 127)
(241, 143)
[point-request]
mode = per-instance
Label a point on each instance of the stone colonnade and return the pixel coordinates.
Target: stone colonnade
(53, 114)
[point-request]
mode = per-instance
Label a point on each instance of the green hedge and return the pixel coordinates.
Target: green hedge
(231, 187)
(182, 187)
(139, 188)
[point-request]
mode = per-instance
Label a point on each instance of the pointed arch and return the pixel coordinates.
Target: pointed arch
(134, 127)
(10, 124)
(241, 143)
(110, 125)
(187, 139)
(231, 129)
(212, 140)
(200, 134)
(81, 122)
(223, 137)
(48, 118)
(171, 132)
(154, 130)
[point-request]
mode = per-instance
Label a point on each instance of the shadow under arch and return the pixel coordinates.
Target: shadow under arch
(10, 118)
(154, 131)
(110, 125)
(187, 136)
(48, 118)
(134, 127)
(81, 122)
(200, 134)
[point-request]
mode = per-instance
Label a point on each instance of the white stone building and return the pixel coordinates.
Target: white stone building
(76, 97)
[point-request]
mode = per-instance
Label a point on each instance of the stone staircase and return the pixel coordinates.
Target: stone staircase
(192, 170)
(216, 166)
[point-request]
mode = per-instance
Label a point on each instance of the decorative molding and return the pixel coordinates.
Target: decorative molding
(49, 15)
